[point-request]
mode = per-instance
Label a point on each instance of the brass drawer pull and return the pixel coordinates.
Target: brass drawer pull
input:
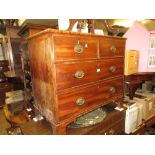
(79, 74)
(112, 69)
(111, 132)
(78, 48)
(80, 101)
(112, 90)
(113, 48)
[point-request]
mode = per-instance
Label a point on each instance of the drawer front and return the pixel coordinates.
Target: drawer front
(110, 47)
(109, 128)
(5, 87)
(4, 63)
(78, 101)
(4, 69)
(74, 74)
(116, 129)
(111, 68)
(2, 77)
(67, 47)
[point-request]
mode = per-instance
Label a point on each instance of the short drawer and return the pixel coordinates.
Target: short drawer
(74, 74)
(111, 68)
(79, 100)
(4, 63)
(110, 47)
(67, 47)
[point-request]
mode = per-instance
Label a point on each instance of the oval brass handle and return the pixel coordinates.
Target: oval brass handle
(113, 48)
(80, 101)
(112, 69)
(111, 132)
(78, 48)
(113, 90)
(79, 74)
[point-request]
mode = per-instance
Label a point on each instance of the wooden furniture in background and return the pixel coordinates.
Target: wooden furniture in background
(13, 47)
(15, 78)
(4, 87)
(74, 73)
(15, 120)
(29, 29)
(25, 31)
(4, 66)
(134, 81)
(144, 126)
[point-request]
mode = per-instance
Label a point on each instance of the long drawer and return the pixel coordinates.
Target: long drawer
(75, 48)
(117, 128)
(73, 74)
(78, 101)
(111, 47)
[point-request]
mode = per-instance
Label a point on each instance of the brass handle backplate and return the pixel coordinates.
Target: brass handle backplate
(113, 48)
(80, 101)
(79, 74)
(112, 90)
(112, 69)
(78, 48)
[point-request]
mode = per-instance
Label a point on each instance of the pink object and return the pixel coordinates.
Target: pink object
(138, 38)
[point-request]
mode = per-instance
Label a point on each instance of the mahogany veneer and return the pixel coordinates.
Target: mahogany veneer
(74, 73)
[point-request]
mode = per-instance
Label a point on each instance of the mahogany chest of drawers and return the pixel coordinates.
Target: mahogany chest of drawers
(74, 73)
